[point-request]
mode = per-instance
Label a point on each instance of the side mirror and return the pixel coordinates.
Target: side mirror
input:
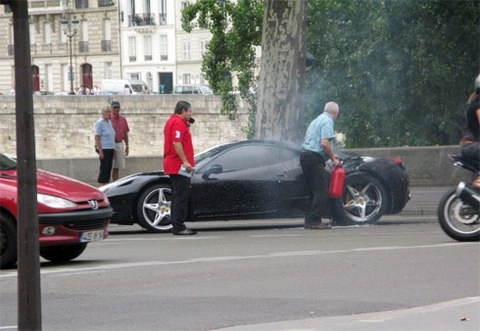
(214, 169)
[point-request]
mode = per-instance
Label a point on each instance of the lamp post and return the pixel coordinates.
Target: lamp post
(69, 28)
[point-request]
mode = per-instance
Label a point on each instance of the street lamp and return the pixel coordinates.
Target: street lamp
(70, 30)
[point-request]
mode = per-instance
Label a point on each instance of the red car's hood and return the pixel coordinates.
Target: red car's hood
(61, 186)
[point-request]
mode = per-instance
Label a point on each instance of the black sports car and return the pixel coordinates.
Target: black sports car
(259, 179)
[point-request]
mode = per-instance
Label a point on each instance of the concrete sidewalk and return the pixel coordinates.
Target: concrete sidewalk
(461, 315)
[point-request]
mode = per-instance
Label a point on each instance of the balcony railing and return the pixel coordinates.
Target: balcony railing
(162, 19)
(105, 3)
(141, 19)
(83, 46)
(106, 45)
(80, 4)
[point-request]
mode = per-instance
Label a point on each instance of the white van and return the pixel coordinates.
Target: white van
(124, 86)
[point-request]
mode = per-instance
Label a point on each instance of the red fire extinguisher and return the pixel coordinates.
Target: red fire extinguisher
(336, 182)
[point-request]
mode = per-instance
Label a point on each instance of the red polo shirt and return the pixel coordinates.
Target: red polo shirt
(176, 129)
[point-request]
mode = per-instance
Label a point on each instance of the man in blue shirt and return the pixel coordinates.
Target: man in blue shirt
(316, 151)
(105, 144)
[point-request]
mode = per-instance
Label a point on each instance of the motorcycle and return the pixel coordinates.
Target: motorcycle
(459, 209)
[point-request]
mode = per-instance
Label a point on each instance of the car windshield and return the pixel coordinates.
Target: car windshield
(137, 87)
(7, 163)
(205, 89)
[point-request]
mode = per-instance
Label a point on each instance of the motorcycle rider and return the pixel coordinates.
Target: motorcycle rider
(470, 143)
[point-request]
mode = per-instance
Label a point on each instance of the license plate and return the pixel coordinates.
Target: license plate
(91, 236)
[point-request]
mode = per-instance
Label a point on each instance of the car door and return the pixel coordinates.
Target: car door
(240, 182)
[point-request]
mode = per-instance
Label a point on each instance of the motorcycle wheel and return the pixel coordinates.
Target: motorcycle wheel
(458, 220)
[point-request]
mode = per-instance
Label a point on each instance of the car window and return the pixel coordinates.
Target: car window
(248, 157)
(7, 163)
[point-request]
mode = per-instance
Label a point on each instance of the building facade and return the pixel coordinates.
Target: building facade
(124, 39)
(94, 52)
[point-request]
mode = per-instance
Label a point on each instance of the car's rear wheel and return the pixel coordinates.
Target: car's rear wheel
(62, 253)
(364, 200)
(8, 241)
(154, 210)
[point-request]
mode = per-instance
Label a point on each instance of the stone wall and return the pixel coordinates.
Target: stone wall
(64, 125)
(64, 136)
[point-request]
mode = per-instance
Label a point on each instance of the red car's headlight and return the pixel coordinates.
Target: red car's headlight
(54, 202)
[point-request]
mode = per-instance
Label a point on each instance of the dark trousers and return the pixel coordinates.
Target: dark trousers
(106, 166)
(180, 201)
(317, 179)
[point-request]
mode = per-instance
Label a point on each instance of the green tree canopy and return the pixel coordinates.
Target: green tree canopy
(401, 70)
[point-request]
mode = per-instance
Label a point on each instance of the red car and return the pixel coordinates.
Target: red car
(71, 214)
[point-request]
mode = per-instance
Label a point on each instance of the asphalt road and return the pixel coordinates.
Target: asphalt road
(402, 274)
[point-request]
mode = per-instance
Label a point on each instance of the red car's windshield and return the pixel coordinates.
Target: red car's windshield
(7, 163)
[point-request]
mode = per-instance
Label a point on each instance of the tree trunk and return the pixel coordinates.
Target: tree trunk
(282, 78)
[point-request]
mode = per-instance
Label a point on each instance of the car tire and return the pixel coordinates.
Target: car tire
(363, 201)
(153, 208)
(62, 253)
(8, 241)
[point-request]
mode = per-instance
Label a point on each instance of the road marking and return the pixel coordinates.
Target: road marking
(115, 266)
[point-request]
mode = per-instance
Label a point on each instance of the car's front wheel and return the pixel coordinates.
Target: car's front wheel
(363, 200)
(153, 208)
(61, 254)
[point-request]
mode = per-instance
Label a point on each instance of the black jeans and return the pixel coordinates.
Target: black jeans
(317, 179)
(106, 166)
(180, 201)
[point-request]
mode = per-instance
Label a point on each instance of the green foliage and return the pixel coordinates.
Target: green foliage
(401, 71)
(236, 28)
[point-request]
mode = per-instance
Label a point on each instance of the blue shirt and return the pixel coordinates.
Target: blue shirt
(104, 129)
(320, 128)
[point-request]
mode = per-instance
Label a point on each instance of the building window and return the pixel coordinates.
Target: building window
(107, 33)
(108, 70)
(132, 49)
(147, 45)
(83, 43)
(186, 78)
(186, 50)
(134, 76)
(203, 47)
(31, 29)
(47, 37)
(163, 48)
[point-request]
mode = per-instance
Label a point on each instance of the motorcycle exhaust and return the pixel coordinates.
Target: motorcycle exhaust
(468, 195)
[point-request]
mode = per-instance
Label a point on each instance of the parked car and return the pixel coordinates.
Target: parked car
(259, 179)
(43, 93)
(71, 214)
(192, 89)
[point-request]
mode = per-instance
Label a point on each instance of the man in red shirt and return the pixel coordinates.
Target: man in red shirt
(120, 126)
(178, 163)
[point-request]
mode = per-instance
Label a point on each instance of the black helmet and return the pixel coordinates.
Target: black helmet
(477, 84)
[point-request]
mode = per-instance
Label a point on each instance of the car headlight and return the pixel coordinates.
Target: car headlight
(106, 198)
(54, 202)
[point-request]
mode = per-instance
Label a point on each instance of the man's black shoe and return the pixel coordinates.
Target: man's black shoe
(184, 232)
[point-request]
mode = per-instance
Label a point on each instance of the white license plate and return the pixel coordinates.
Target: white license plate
(91, 236)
